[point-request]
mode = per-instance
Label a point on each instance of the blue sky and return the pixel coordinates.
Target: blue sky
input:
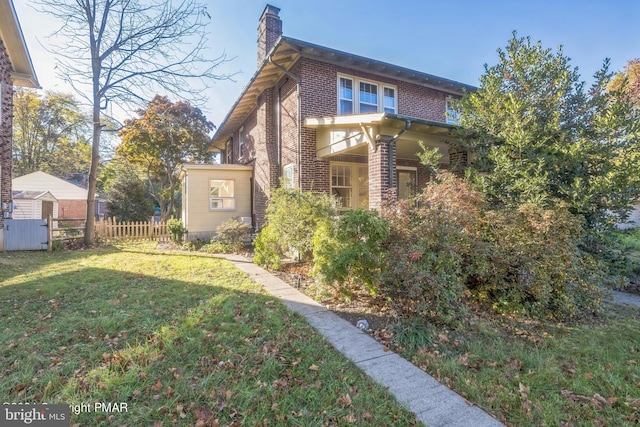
(451, 39)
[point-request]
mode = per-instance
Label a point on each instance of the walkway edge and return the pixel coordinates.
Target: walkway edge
(433, 403)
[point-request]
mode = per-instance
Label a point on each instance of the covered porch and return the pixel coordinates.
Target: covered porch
(370, 154)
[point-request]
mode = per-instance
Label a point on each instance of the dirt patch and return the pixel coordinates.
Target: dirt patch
(359, 307)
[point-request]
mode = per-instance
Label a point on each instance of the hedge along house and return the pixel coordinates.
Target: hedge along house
(213, 194)
(15, 69)
(319, 119)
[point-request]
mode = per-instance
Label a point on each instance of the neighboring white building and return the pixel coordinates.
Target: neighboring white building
(34, 205)
(72, 199)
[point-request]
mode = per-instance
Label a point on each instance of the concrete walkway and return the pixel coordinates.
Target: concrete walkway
(433, 403)
(625, 298)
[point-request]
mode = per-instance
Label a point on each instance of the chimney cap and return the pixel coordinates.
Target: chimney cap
(270, 10)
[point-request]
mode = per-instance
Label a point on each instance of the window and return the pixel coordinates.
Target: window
(363, 97)
(240, 142)
(228, 151)
(452, 116)
(222, 195)
(368, 98)
(345, 96)
(350, 184)
(341, 185)
(389, 100)
(287, 176)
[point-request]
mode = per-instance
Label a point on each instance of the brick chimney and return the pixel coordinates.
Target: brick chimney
(269, 31)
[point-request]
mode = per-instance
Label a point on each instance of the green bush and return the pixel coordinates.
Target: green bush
(293, 216)
(233, 233)
(176, 230)
(532, 263)
(348, 252)
(193, 245)
(216, 247)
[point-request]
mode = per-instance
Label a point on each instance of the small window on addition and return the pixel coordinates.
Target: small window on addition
(287, 176)
(221, 195)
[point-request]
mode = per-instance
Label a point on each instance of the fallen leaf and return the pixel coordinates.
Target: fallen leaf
(344, 400)
(313, 367)
(350, 419)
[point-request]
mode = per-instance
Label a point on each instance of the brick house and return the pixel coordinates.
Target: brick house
(319, 119)
(15, 69)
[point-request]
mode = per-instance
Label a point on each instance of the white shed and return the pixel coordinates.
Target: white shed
(34, 204)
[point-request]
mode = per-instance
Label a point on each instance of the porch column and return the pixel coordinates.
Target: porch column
(379, 172)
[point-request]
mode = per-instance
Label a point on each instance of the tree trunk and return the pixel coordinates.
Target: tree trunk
(89, 230)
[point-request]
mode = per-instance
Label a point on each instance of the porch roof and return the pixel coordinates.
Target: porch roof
(353, 134)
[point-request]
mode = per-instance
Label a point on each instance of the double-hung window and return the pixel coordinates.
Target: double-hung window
(368, 98)
(452, 116)
(345, 96)
(350, 184)
(356, 96)
(389, 100)
(222, 195)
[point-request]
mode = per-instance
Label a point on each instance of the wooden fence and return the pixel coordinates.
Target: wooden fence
(110, 229)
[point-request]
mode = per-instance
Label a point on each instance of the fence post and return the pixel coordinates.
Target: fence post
(49, 233)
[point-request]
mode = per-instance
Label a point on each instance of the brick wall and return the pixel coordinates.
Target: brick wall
(6, 114)
(72, 208)
(269, 30)
(318, 89)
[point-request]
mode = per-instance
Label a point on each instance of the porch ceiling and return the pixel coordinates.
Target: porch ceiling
(355, 134)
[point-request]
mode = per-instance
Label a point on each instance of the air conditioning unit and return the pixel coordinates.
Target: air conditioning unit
(245, 220)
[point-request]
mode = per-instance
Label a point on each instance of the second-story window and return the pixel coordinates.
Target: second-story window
(389, 100)
(345, 95)
(357, 96)
(452, 116)
(241, 143)
(368, 98)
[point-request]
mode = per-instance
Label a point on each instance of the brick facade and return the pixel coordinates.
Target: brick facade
(72, 208)
(6, 114)
(274, 137)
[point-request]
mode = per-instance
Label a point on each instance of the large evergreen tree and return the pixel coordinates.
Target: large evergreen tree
(538, 135)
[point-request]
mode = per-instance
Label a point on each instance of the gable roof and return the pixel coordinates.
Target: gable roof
(32, 195)
(41, 181)
(287, 51)
(11, 34)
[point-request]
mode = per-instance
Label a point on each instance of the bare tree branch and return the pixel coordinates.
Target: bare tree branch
(122, 51)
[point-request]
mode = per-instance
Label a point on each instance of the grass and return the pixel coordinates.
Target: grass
(181, 339)
(531, 373)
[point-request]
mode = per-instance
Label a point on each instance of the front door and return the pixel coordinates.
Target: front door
(407, 181)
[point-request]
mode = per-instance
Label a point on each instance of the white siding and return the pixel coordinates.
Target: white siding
(199, 219)
(40, 181)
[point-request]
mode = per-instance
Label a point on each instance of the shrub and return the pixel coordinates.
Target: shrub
(348, 252)
(430, 243)
(293, 216)
(233, 233)
(216, 247)
(535, 265)
(176, 230)
(193, 245)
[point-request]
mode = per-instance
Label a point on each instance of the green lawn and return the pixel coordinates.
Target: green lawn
(181, 339)
(529, 373)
